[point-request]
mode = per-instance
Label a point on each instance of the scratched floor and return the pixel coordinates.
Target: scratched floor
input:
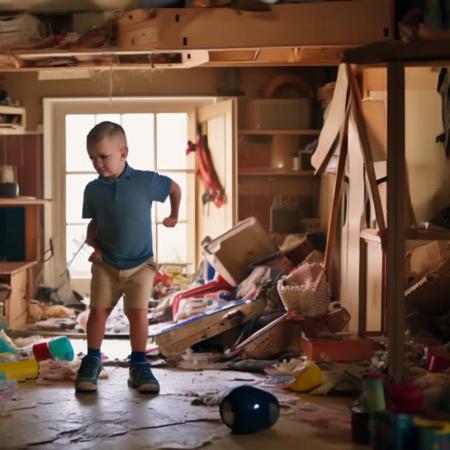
(54, 417)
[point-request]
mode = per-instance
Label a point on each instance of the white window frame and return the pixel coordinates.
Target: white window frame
(55, 111)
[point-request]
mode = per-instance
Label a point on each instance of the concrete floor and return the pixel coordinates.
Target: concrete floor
(54, 417)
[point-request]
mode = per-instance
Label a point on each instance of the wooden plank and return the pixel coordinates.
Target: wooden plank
(366, 150)
(32, 235)
(301, 24)
(335, 207)
(11, 267)
(395, 257)
(21, 201)
(17, 304)
(415, 53)
(275, 173)
(335, 118)
(306, 132)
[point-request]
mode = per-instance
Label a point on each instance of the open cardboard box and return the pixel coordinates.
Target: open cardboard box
(232, 252)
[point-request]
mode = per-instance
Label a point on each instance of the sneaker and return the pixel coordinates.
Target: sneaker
(142, 379)
(88, 373)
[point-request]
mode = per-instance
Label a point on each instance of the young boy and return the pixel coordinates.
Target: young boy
(119, 203)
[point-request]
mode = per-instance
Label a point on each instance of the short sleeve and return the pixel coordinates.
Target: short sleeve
(88, 212)
(160, 187)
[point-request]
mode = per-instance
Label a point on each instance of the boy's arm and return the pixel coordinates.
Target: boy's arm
(91, 239)
(175, 198)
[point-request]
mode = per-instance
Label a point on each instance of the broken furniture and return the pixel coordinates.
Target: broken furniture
(397, 56)
(174, 339)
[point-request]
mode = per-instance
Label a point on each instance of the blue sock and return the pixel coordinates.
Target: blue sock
(94, 352)
(137, 357)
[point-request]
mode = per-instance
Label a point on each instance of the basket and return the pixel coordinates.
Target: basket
(268, 341)
(305, 290)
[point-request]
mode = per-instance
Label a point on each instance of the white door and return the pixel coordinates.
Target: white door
(218, 122)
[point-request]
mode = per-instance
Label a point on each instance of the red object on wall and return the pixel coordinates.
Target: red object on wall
(206, 172)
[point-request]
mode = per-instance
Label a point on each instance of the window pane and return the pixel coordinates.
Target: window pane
(171, 143)
(163, 209)
(140, 132)
(109, 117)
(80, 266)
(172, 244)
(75, 185)
(77, 128)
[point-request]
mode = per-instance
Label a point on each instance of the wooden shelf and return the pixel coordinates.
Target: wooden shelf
(373, 235)
(311, 132)
(274, 173)
(11, 267)
(17, 116)
(22, 201)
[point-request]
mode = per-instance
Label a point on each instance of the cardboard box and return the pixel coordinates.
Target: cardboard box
(337, 349)
(232, 252)
(279, 113)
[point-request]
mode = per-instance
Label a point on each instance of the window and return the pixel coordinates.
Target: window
(156, 141)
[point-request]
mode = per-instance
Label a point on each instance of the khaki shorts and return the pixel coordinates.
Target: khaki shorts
(108, 284)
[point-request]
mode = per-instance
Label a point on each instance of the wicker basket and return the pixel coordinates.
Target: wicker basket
(305, 290)
(268, 341)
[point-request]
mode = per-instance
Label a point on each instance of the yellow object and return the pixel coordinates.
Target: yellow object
(307, 379)
(20, 370)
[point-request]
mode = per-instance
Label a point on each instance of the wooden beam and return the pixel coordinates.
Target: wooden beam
(395, 258)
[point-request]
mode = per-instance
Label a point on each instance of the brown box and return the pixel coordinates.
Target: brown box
(337, 349)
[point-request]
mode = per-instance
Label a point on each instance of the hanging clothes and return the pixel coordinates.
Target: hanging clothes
(206, 172)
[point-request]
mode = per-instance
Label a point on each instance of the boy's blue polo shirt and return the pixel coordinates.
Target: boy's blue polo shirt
(122, 212)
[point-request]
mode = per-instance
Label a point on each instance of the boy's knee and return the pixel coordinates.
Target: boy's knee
(98, 314)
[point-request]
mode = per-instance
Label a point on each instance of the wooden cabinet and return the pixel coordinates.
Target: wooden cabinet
(274, 169)
(20, 275)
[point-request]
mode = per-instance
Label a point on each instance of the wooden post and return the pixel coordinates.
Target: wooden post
(396, 186)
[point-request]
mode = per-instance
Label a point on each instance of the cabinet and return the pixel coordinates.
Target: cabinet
(20, 220)
(276, 183)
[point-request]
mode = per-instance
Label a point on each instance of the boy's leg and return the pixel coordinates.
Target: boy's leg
(141, 376)
(137, 289)
(95, 328)
(91, 365)
(104, 295)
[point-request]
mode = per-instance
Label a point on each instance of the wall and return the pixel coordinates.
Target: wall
(428, 168)
(246, 83)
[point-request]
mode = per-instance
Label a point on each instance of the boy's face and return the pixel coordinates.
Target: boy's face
(108, 156)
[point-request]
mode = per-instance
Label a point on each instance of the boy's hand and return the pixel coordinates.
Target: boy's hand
(170, 222)
(96, 256)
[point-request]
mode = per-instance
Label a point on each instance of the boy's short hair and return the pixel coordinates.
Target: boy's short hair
(103, 130)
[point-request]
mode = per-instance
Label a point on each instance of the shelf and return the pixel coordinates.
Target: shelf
(11, 267)
(274, 173)
(311, 132)
(371, 234)
(15, 123)
(22, 201)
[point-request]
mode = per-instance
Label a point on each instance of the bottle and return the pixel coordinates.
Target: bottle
(57, 348)
(373, 392)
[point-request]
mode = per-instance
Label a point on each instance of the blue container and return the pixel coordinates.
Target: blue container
(61, 348)
(246, 409)
(391, 431)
